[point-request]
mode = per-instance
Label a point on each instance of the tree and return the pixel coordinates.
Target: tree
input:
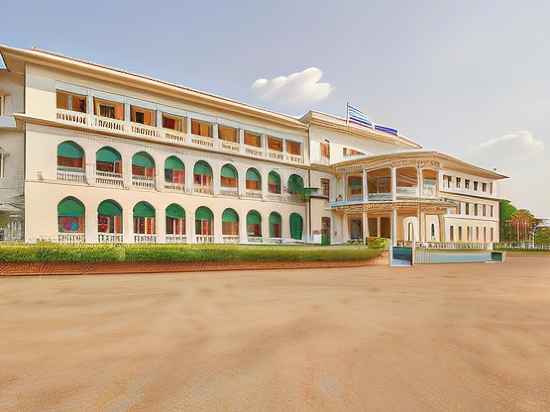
(523, 224)
(507, 209)
(542, 235)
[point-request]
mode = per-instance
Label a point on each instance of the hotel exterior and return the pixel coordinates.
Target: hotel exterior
(91, 154)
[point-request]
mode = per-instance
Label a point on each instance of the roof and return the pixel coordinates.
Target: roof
(340, 124)
(451, 160)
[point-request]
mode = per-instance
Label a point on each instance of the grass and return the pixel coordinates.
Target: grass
(48, 252)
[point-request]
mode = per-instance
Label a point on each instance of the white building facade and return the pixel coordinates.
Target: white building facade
(90, 154)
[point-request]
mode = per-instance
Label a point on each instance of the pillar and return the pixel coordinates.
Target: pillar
(128, 224)
(345, 186)
(241, 140)
(188, 126)
(393, 184)
(264, 182)
(127, 112)
(378, 227)
(90, 104)
(190, 226)
(394, 226)
(91, 224)
(215, 135)
(159, 118)
(90, 159)
(420, 182)
(218, 235)
(365, 186)
(345, 228)
(127, 170)
(159, 174)
(441, 220)
(243, 235)
(365, 225)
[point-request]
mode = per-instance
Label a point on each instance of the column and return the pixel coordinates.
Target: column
(190, 226)
(159, 118)
(241, 140)
(365, 225)
(216, 177)
(345, 229)
(345, 186)
(215, 135)
(265, 185)
(393, 184)
(378, 227)
(91, 224)
(218, 237)
(160, 218)
(128, 224)
(189, 164)
(420, 182)
(127, 170)
(159, 175)
(127, 114)
(242, 181)
(188, 127)
(365, 186)
(90, 104)
(439, 182)
(394, 226)
(90, 165)
(441, 219)
(243, 235)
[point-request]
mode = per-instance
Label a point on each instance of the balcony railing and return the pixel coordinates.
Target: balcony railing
(274, 154)
(176, 187)
(106, 123)
(255, 239)
(202, 141)
(231, 238)
(379, 197)
(204, 239)
(429, 191)
(109, 178)
(143, 182)
(112, 238)
(139, 238)
(72, 117)
(253, 151)
(407, 191)
(229, 191)
(276, 197)
(176, 239)
(71, 238)
(144, 130)
(75, 176)
(205, 190)
(174, 136)
(230, 146)
(256, 194)
(295, 158)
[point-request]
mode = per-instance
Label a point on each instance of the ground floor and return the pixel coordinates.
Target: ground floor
(433, 337)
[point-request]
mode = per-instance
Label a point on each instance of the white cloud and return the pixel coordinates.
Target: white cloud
(296, 88)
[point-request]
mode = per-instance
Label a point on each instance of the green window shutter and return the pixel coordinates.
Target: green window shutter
(274, 219)
(143, 160)
(295, 184)
(203, 213)
(296, 226)
(230, 216)
(274, 179)
(144, 209)
(202, 168)
(173, 163)
(253, 218)
(229, 172)
(175, 211)
(108, 155)
(108, 208)
(70, 207)
(70, 150)
(253, 174)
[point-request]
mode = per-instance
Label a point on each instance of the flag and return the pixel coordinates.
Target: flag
(386, 129)
(356, 116)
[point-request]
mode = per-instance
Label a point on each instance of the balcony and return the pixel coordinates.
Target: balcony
(144, 130)
(202, 141)
(276, 155)
(205, 190)
(144, 239)
(109, 178)
(254, 194)
(379, 197)
(71, 175)
(407, 191)
(230, 146)
(143, 182)
(110, 238)
(255, 239)
(231, 239)
(175, 187)
(176, 239)
(71, 238)
(229, 191)
(204, 239)
(253, 151)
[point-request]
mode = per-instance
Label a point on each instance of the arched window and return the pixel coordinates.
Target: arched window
(229, 176)
(144, 219)
(295, 184)
(109, 217)
(108, 160)
(253, 179)
(70, 156)
(175, 220)
(143, 165)
(174, 171)
(202, 174)
(230, 223)
(274, 182)
(296, 226)
(204, 219)
(275, 225)
(254, 224)
(70, 216)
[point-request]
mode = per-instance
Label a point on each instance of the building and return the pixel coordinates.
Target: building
(94, 154)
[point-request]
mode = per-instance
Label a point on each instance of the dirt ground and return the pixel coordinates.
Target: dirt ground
(471, 337)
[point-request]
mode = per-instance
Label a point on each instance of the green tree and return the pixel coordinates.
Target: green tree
(507, 210)
(542, 235)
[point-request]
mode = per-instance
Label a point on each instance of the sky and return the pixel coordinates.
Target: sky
(467, 78)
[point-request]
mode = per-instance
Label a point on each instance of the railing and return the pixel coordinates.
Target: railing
(231, 238)
(229, 191)
(204, 239)
(107, 123)
(296, 158)
(76, 176)
(294, 198)
(207, 190)
(109, 178)
(202, 141)
(144, 130)
(72, 117)
(253, 151)
(230, 146)
(140, 238)
(429, 191)
(522, 245)
(110, 238)
(176, 187)
(355, 198)
(255, 239)
(274, 154)
(256, 194)
(274, 240)
(453, 245)
(407, 191)
(174, 136)
(176, 239)
(71, 238)
(143, 182)
(379, 197)
(277, 197)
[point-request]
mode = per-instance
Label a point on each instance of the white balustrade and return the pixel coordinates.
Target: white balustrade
(106, 123)
(143, 182)
(273, 154)
(176, 187)
(230, 146)
(229, 191)
(407, 191)
(256, 194)
(144, 130)
(296, 158)
(206, 190)
(204, 239)
(202, 141)
(112, 238)
(140, 238)
(253, 151)
(379, 197)
(174, 136)
(74, 175)
(109, 178)
(276, 197)
(231, 238)
(255, 239)
(176, 239)
(71, 238)
(69, 116)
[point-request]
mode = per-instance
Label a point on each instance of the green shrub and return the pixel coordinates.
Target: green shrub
(49, 252)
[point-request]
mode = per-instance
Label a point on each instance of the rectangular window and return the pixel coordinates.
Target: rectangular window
(348, 152)
(173, 122)
(492, 211)
(491, 188)
(229, 134)
(293, 148)
(325, 187)
(200, 128)
(452, 233)
(467, 183)
(484, 187)
(476, 209)
(484, 210)
(325, 150)
(458, 182)
(476, 184)
(467, 209)
(105, 108)
(460, 233)
(71, 101)
(274, 143)
(477, 233)
(492, 234)
(142, 116)
(252, 139)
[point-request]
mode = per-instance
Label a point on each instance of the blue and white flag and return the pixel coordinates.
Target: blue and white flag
(356, 116)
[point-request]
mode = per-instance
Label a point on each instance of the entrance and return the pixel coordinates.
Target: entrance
(325, 230)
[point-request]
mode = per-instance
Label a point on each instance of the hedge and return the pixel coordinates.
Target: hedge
(49, 252)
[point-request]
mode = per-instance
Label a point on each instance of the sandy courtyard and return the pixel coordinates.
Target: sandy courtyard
(448, 337)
